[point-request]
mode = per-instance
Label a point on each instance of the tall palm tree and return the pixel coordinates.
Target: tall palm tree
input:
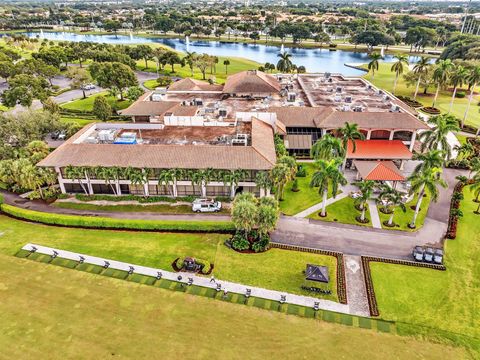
(385, 192)
(475, 188)
(472, 80)
(232, 178)
(429, 180)
(421, 69)
(108, 175)
(190, 60)
(263, 181)
(441, 75)
(399, 67)
(285, 63)
(436, 137)
(457, 79)
(374, 63)
(281, 174)
(178, 174)
(327, 147)
(166, 177)
(366, 188)
(327, 175)
(431, 159)
(195, 177)
(226, 62)
(349, 133)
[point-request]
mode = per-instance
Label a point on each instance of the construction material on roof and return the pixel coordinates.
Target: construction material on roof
(378, 149)
(189, 84)
(378, 170)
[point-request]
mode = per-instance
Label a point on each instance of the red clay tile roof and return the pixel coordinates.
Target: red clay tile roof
(251, 81)
(373, 120)
(293, 116)
(378, 149)
(144, 107)
(259, 156)
(189, 84)
(378, 170)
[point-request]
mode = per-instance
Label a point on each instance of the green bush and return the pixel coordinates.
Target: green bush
(111, 223)
(295, 185)
(206, 265)
(1, 199)
(140, 199)
(301, 171)
(460, 95)
(261, 244)
(239, 242)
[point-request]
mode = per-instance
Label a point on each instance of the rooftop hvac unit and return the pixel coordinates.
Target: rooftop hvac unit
(348, 99)
(209, 110)
(338, 89)
(91, 140)
(222, 112)
(338, 98)
(357, 108)
(239, 142)
(198, 102)
(395, 108)
(327, 75)
(346, 107)
(106, 135)
(330, 80)
(369, 86)
(156, 97)
(329, 88)
(379, 92)
(241, 136)
(386, 97)
(291, 97)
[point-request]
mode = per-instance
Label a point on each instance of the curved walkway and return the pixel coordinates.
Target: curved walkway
(348, 239)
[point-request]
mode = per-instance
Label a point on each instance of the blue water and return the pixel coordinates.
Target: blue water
(314, 60)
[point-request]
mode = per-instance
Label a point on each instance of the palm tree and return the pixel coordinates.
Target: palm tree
(232, 178)
(399, 67)
(349, 133)
(395, 200)
(263, 181)
(475, 188)
(472, 80)
(196, 178)
(166, 177)
(431, 159)
(441, 75)
(464, 150)
(436, 137)
(281, 174)
(285, 63)
(177, 174)
(366, 188)
(421, 69)
(137, 176)
(385, 192)
(327, 147)
(457, 79)
(373, 64)
(226, 62)
(327, 175)
(76, 173)
(190, 59)
(426, 180)
(107, 174)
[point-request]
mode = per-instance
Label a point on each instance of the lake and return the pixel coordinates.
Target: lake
(314, 60)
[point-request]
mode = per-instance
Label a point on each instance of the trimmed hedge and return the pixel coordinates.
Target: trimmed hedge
(455, 205)
(1, 199)
(117, 224)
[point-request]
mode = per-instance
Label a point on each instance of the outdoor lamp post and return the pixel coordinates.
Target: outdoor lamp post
(159, 275)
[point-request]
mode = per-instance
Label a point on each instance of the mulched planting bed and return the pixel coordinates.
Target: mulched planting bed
(430, 110)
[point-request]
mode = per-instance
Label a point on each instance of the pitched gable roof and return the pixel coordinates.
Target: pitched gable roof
(188, 84)
(378, 170)
(251, 81)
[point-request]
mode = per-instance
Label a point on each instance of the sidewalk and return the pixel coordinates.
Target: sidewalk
(372, 207)
(183, 277)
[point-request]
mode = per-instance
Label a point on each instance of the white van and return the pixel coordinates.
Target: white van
(206, 205)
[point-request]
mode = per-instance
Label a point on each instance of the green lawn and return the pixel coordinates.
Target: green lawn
(402, 219)
(284, 271)
(87, 104)
(384, 79)
(295, 202)
(151, 84)
(236, 65)
(342, 211)
(444, 301)
(76, 120)
(70, 314)
(164, 208)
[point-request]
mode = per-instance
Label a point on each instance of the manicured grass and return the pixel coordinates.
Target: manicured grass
(342, 211)
(280, 269)
(87, 104)
(66, 314)
(384, 79)
(443, 301)
(167, 209)
(276, 269)
(402, 219)
(461, 138)
(236, 65)
(151, 84)
(76, 120)
(295, 202)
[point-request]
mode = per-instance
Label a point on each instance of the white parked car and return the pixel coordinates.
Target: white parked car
(88, 87)
(206, 205)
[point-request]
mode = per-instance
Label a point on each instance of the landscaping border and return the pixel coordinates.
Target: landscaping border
(372, 300)
(105, 223)
(341, 277)
(455, 205)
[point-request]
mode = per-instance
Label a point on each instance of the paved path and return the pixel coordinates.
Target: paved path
(198, 280)
(372, 208)
(356, 290)
(318, 207)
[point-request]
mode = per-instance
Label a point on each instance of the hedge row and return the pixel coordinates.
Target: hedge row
(117, 224)
(454, 205)
(372, 300)
(341, 281)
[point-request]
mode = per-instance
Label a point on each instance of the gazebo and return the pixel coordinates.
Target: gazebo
(378, 171)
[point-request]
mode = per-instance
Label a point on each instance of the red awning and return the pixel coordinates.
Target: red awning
(378, 150)
(378, 170)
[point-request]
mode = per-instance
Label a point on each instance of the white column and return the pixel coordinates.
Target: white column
(175, 193)
(369, 133)
(391, 135)
(412, 140)
(204, 189)
(89, 184)
(268, 192)
(60, 180)
(402, 162)
(145, 189)
(117, 188)
(262, 192)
